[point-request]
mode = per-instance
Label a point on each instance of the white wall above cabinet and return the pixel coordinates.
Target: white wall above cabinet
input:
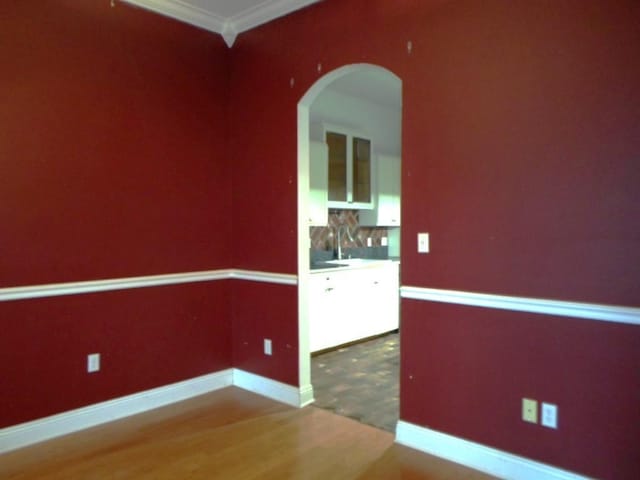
(318, 208)
(386, 211)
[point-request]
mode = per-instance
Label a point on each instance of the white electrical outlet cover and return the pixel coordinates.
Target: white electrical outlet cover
(549, 415)
(267, 346)
(93, 362)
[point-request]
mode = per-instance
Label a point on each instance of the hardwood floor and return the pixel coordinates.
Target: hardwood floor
(229, 434)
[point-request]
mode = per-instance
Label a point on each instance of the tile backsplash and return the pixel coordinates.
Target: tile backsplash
(323, 238)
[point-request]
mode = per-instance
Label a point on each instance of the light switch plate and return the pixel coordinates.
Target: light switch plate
(267, 347)
(423, 243)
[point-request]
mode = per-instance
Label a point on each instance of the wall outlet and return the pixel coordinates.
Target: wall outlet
(93, 362)
(267, 346)
(549, 415)
(530, 410)
(423, 243)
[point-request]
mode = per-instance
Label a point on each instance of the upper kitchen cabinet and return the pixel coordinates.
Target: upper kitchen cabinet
(386, 211)
(350, 169)
(318, 208)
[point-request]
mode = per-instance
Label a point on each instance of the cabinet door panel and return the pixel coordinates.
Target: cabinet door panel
(361, 170)
(337, 144)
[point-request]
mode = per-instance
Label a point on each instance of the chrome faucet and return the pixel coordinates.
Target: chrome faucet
(339, 229)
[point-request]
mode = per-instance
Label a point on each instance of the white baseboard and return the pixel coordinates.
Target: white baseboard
(24, 434)
(281, 392)
(306, 395)
(479, 457)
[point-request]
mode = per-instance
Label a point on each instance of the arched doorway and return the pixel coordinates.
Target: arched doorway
(375, 84)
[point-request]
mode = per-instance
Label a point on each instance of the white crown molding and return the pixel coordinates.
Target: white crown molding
(184, 12)
(474, 455)
(12, 438)
(91, 286)
(28, 433)
(230, 27)
(265, 12)
(591, 311)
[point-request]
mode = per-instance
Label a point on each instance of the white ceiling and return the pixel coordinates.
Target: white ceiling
(375, 86)
(226, 17)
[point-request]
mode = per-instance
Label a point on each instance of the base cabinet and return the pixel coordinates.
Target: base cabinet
(351, 304)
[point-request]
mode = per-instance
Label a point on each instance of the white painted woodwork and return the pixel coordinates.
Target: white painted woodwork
(349, 304)
(226, 17)
(386, 211)
(318, 208)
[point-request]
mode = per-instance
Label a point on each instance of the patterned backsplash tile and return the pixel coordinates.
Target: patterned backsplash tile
(323, 238)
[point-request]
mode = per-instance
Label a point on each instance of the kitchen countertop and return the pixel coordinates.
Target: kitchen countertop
(349, 264)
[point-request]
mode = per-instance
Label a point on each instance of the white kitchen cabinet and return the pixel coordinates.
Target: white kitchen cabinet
(350, 168)
(386, 211)
(350, 304)
(318, 207)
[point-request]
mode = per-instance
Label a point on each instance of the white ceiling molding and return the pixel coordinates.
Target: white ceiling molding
(238, 17)
(265, 11)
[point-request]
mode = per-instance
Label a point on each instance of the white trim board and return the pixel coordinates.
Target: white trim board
(281, 392)
(591, 311)
(229, 27)
(91, 286)
(479, 457)
(12, 438)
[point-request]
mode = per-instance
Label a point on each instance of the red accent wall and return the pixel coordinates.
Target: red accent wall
(266, 310)
(466, 369)
(146, 337)
(521, 134)
(134, 145)
(113, 163)
(113, 144)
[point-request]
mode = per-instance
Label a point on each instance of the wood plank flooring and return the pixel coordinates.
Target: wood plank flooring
(229, 434)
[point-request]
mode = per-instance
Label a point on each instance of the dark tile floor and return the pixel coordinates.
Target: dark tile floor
(360, 381)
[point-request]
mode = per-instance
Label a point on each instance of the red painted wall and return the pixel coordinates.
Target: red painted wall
(147, 338)
(113, 163)
(265, 310)
(520, 143)
(521, 133)
(465, 371)
(113, 144)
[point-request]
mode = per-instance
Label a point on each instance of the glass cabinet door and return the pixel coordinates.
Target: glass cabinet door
(361, 170)
(350, 167)
(337, 143)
